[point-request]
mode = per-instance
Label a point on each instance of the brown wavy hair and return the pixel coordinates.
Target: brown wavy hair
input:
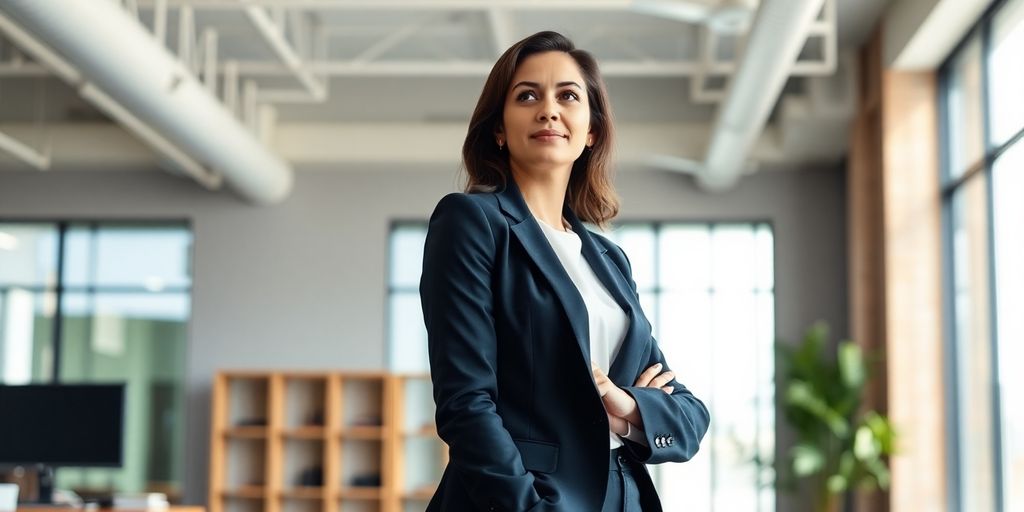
(590, 193)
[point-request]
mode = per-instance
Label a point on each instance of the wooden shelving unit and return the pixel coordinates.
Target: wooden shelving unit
(323, 442)
(421, 456)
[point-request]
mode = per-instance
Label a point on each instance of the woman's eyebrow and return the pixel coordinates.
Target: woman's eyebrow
(535, 85)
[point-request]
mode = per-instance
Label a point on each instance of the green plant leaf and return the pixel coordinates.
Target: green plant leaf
(837, 484)
(807, 459)
(880, 471)
(803, 395)
(851, 366)
(865, 445)
(883, 431)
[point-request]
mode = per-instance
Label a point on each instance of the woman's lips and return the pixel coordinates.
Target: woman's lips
(548, 138)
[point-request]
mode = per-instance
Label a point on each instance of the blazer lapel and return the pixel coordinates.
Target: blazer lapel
(624, 365)
(528, 232)
(539, 250)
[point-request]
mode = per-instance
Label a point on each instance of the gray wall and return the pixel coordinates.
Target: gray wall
(302, 284)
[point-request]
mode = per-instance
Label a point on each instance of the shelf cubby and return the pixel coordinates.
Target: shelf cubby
(303, 464)
(362, 403)
(247, 396)
(361, 464)
(245, 465)
(242, 504)
(305, 402)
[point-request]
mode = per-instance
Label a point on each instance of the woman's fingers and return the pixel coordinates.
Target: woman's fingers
(650, 379)
(662, 380)
(604, 384)
(645, 378)
(617, 424)
(616, 401)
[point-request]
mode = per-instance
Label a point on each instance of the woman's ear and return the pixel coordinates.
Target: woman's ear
(499, 135)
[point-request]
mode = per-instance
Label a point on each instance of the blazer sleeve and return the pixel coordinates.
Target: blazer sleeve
(674, 424)
(455, 292)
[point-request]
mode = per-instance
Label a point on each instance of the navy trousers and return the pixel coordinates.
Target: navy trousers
(623, 494)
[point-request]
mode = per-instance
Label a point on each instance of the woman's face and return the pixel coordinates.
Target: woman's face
(547, 114)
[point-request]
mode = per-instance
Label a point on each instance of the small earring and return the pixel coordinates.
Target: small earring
(501, 145)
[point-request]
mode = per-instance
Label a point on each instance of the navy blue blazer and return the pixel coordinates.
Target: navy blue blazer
(510, 364)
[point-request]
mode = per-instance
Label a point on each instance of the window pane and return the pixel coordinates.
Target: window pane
(407, 336)
(685, 338)
(685, 257)
(764, 241)
(1006, 74)
(26, 336)
(408, 333)
(963, 103)
(973, 341)
(734, 438)
(764, 397)
(1008, 209)
(28, 255)
(733, 258)
(153, 257)
(638, 241)
(138, 339)
(407, 256)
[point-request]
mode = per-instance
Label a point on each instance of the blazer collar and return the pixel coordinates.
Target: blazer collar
(528, 232)
(511, 201)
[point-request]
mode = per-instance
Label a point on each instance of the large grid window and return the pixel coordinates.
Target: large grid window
(708, 291)
(982, 187)
(85, 302)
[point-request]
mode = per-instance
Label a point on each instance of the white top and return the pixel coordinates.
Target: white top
(608, 322)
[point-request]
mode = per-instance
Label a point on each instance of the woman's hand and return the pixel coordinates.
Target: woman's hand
(619, 406)
(617, 403)
(650, 379)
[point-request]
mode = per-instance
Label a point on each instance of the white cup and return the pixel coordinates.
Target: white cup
(8, 497)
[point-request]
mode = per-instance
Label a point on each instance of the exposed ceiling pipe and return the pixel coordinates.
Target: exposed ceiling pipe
(124, 62)
(172, 158)
(23, 152)
(778, 34)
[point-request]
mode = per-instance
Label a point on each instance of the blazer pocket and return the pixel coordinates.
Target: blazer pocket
(538, 455)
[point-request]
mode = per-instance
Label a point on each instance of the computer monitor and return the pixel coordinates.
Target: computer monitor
(68, 425)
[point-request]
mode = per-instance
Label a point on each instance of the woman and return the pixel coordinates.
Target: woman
(544, 369)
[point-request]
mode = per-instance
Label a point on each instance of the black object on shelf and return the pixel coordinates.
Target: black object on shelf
(315, 419)
(367, 421)
(367, 480)
(251, 422)
(311, 477)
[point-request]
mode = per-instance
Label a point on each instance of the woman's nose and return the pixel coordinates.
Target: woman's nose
(548, 111)
(547, 114)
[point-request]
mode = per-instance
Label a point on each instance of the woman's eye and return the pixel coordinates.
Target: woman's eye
(569, 95)
(523, 96)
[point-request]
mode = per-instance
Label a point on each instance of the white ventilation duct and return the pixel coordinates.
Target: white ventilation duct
(113, 51)
(778, 34)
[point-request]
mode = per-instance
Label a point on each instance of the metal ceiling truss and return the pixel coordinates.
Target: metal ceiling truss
(301, 45)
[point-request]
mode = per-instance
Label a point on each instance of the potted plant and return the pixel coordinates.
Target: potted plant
(839, 446)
